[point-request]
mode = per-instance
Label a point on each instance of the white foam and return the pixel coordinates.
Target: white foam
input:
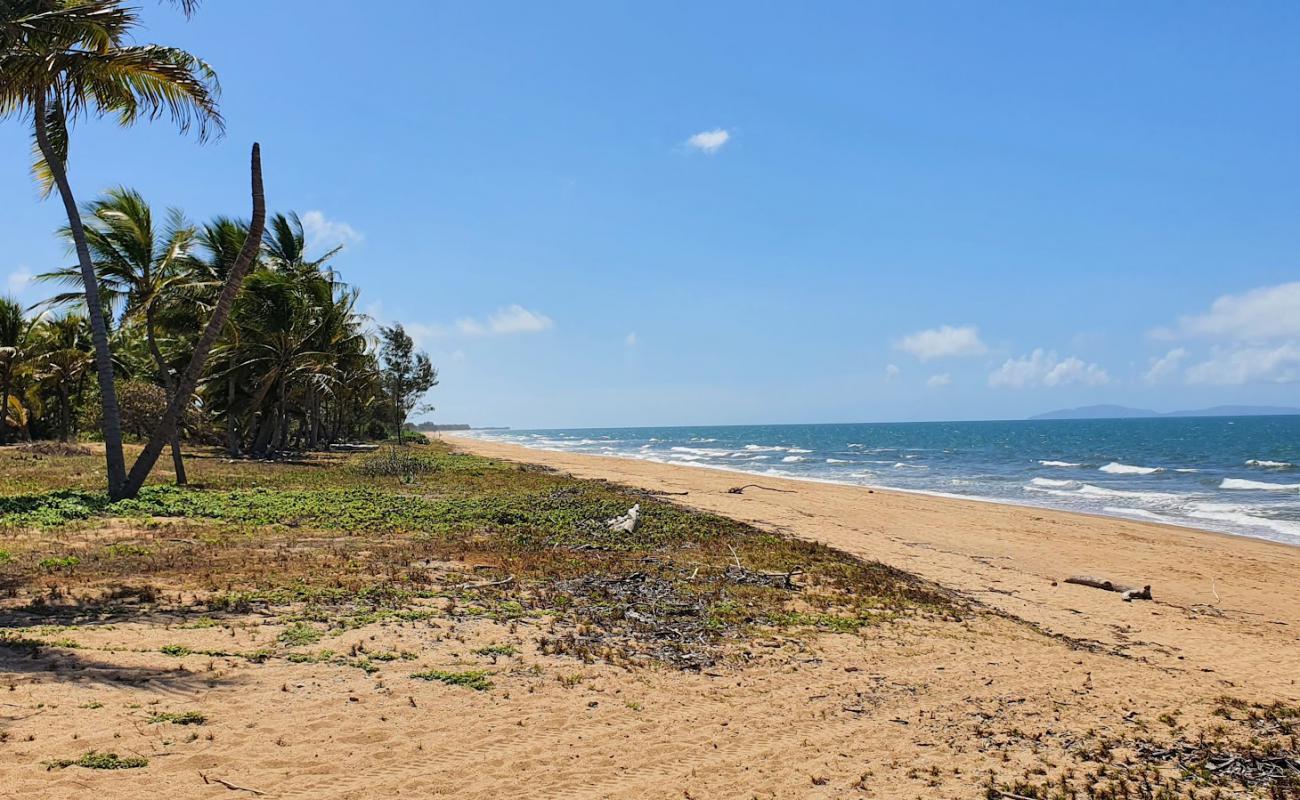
(799, 450)
(758, 447)
(1141, 513)
(1238, 483)
(836, 461)
(702, 451)
(1116, 468)
(1212, 511)
(793, 459)
(1059, 464)
(1266, 464)
(1055, 484)
(1101, 491)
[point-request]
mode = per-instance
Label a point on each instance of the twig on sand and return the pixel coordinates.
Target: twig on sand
(741, 489)
(1010, 796)
(231, 786)
(488, 584)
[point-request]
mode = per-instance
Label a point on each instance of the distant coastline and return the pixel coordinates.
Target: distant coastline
(1126, 412)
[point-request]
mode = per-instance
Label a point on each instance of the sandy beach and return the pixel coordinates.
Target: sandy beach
(1226, 607)
(1035, 685)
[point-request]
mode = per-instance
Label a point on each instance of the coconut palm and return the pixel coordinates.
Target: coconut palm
(64, 60)
(139, 268)
(15, 333)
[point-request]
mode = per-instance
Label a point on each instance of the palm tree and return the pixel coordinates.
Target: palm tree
(62, 60)
(139, 269)
(189, 379)
(14, 333)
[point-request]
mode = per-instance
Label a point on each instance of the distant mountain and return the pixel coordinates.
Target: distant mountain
(1124, 412)
(1098, 412)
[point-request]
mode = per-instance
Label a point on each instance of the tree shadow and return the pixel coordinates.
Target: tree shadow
(43, 663)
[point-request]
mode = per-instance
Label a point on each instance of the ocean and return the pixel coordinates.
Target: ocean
(1237, 475)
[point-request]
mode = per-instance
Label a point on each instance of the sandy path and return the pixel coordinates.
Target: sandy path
(1009, 557)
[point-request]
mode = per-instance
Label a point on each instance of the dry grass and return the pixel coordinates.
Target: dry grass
(330, 540)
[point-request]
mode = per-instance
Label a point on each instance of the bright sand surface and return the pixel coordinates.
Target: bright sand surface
(906, 709)
(1223, 603)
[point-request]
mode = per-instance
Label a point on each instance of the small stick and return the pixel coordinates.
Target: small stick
(229, 785)
(734, 556)
(1214, 591)
(488, 584)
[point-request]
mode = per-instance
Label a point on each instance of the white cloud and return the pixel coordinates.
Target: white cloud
(709, 141)
(1043, 368)
(1165, 366)
(936, 381)
(323, 234)
(1270, 312)
(943, 342)
(422, 332)
(510, 319)
(1273, 364)
(18, 280)
(891, 372)
(630, 340)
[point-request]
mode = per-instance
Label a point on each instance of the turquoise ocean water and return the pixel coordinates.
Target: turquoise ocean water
(1234, 474)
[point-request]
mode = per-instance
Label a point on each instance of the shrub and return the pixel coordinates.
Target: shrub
(473, 679)
(95, 760)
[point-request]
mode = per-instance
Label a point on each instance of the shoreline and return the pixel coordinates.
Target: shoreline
(1135, 515)
(1223, 603)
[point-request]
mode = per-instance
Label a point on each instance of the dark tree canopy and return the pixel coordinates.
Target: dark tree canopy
(407, 374)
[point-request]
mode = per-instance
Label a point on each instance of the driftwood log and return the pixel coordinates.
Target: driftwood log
(1126, 593)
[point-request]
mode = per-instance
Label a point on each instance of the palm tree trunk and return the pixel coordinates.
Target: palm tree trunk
(178, 463)
(4, 410)
(232, 424)
(194, 370)
(65, 413)
(112, 416)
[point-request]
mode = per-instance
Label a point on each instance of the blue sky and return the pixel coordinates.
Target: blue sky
(616, 213)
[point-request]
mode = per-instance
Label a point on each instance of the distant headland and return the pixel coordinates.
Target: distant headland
(1125, 412)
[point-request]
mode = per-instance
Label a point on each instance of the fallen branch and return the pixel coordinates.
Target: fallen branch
(231, 786)
(741, 489)
(1126, 592)
(488, 584)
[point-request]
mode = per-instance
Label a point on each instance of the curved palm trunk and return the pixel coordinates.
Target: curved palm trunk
(112, 422)
(194, 370)
(178, 463)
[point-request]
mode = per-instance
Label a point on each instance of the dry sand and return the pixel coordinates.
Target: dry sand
(914, 709)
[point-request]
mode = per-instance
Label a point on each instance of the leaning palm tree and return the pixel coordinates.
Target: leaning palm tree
(64, 60)
(139, 268)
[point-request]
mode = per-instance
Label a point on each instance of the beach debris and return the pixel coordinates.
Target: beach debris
(644, 616)
(741, 489)
(1246, 767)
(211, 779)
(627, 523)
(489, 584)
(737, 573)
(1126, 593)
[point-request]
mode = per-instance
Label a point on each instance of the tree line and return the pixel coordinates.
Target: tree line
(171, 331)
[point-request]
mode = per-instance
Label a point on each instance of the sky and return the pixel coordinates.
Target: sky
(616, 213)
